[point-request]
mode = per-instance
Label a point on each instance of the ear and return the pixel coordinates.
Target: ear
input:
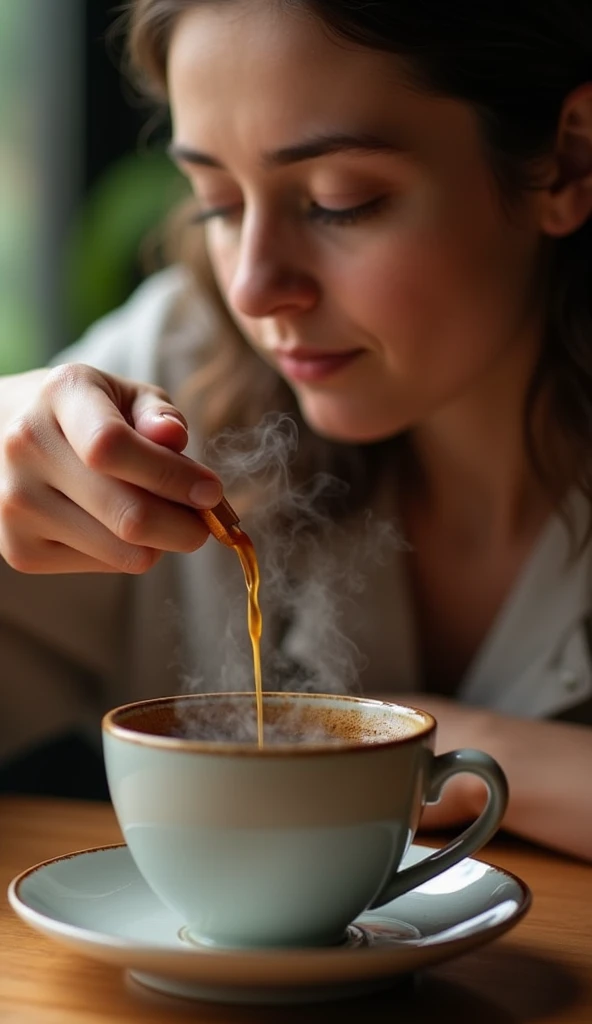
(566, 202)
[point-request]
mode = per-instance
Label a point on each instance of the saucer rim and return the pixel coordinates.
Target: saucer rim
(99, 940)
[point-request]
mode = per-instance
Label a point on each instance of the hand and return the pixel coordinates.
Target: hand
(459, 725)
(92, 478)
(548, 766)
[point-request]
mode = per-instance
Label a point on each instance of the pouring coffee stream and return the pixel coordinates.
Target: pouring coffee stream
(223, 523)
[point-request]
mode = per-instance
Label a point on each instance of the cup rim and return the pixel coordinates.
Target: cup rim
(110, 726)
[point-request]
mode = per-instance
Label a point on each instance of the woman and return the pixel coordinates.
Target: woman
(395, 202)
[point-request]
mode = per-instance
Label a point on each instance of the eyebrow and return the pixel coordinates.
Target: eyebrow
(309, 149)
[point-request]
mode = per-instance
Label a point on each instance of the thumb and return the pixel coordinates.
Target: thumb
(155, 417)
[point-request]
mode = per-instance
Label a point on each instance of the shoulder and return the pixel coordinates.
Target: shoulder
(129, 340)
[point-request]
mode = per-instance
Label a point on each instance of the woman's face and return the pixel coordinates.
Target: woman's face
(353, 223)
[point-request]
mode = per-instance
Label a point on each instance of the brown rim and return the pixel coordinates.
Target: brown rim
(130, 735)
(19, 879)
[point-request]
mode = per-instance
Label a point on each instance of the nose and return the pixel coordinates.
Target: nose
(270, 276)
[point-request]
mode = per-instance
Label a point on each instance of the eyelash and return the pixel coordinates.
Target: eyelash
(321, 214)
(351, 215)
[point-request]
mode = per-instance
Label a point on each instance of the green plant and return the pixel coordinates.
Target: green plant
(102, 261)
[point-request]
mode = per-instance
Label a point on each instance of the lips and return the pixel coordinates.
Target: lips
(309, 365)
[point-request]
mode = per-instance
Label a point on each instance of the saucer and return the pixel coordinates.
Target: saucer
(97, 903)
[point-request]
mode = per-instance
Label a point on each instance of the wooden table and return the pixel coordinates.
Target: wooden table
(540, 971)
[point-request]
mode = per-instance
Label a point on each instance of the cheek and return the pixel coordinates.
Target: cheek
(426, 285)
(397, 293)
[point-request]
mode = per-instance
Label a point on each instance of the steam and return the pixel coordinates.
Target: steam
(313, 571)
(238, 724)
(290, 721)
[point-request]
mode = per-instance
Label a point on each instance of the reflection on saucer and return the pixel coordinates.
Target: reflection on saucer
(463, 874)
(373, 932)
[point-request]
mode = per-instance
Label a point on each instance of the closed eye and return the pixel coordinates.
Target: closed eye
(323, 214)
(203, 216)
(347, 215)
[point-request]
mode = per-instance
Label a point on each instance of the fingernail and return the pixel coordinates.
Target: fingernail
(174, 418)
(206, 493)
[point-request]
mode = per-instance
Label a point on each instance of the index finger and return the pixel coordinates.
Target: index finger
(105, 442)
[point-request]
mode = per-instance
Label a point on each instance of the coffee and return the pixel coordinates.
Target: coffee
(223, 523)
(245, 550)
(309, 721)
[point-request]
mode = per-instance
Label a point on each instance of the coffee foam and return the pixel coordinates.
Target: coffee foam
(224, 719)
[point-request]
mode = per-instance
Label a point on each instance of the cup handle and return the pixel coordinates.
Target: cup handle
(473, 838)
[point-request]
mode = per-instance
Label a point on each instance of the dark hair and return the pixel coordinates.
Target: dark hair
(515, 64)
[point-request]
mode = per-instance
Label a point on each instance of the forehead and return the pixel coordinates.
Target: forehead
(249, 77)
(257, 67)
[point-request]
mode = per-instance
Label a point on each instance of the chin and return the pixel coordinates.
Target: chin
(344, 429)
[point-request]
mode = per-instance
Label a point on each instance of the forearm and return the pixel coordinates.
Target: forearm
(548, 765)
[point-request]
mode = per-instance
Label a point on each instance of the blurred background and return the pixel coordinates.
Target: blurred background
(84, 178)
(84, 181)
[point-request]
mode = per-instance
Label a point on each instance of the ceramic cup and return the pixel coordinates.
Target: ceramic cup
(286, 844)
